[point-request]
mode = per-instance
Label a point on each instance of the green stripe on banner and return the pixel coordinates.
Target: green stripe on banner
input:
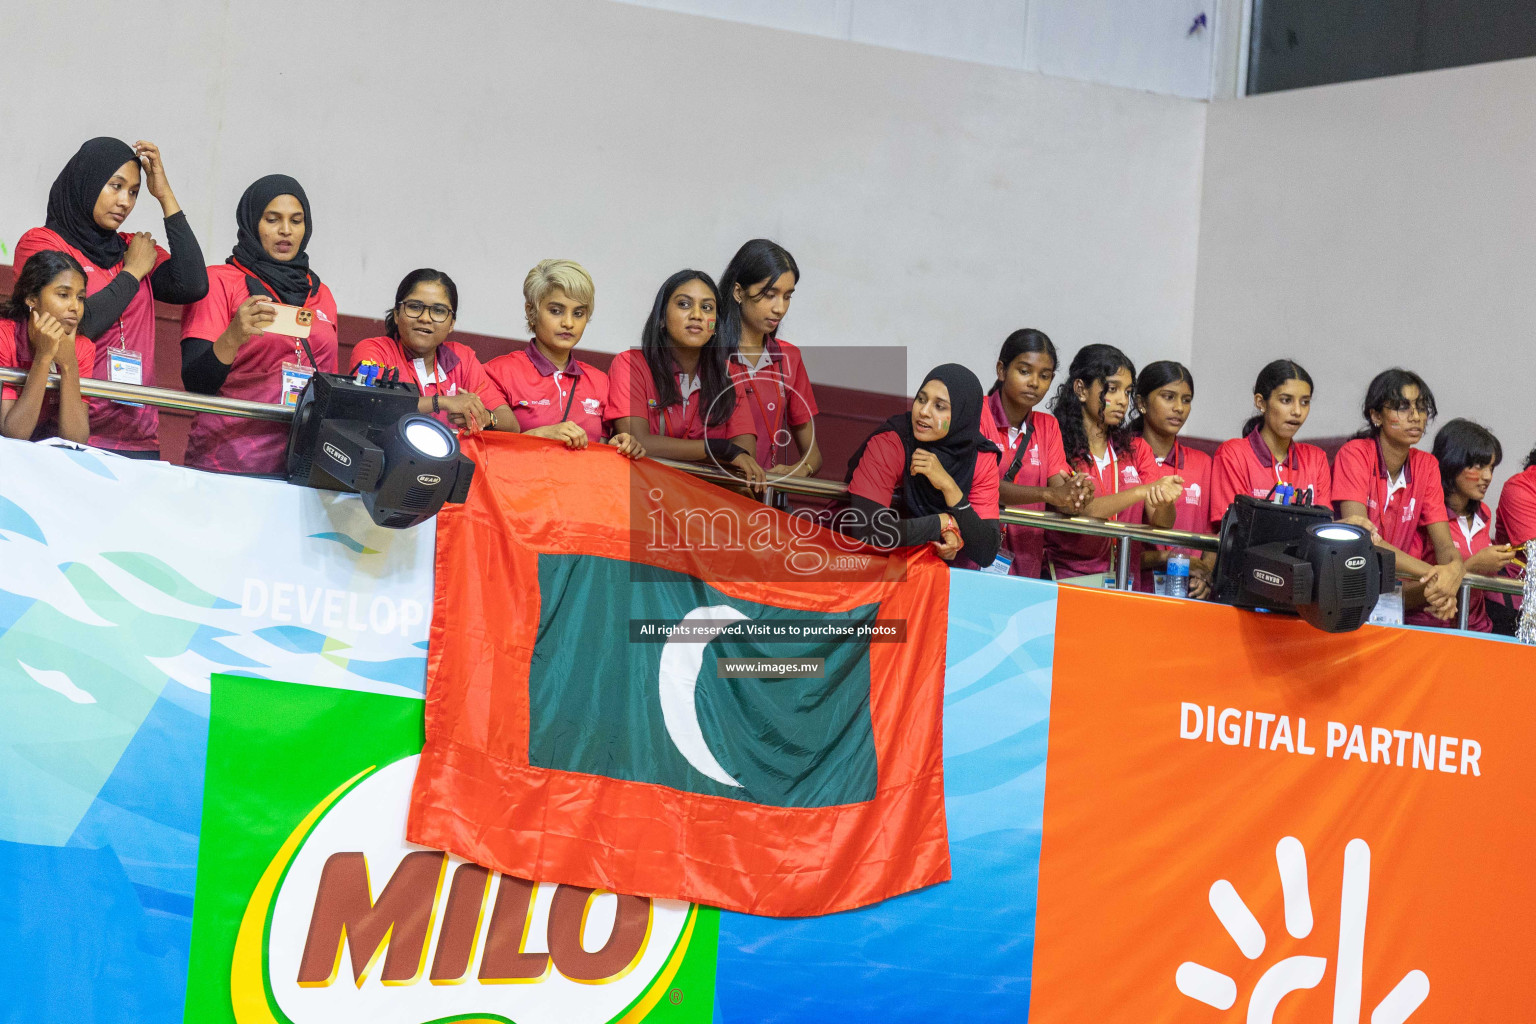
(657, 710)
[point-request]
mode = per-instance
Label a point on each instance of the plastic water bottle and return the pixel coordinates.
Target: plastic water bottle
(1178, 575)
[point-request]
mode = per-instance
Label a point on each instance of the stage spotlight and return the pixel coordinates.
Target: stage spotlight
(370, 439)
(1348, 576)
(1294, 558)
(423, 470)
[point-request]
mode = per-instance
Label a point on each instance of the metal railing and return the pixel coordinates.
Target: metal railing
(1123, 534)
(165, 398)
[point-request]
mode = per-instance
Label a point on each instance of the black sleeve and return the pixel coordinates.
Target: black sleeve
(979, 538)
(183, 278)
(879, 526)
(103, 309)
(201, 370)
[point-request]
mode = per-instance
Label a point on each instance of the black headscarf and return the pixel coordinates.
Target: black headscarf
(293, 281)
(72, 200)
(957, 450)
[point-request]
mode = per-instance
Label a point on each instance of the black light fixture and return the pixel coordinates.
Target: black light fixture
(1294, 558)
(370, 439)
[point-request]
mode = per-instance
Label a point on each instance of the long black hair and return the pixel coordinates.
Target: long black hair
(717, 391)
(1271, 379)
(1153, 376)
(1462, 444)
(1023, 342)
(758, 260)
(424, 275)
(1092, 364)
(36, 274)
(1386, 391)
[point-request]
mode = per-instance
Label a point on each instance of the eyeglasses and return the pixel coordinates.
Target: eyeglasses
(413, 309)
(1402, 405)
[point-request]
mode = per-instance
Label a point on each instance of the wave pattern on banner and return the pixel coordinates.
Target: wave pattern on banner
(113, 616)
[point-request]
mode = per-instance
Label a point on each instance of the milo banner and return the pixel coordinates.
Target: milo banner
(211, 715)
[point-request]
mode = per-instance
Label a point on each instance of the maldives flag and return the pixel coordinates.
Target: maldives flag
(641, 682)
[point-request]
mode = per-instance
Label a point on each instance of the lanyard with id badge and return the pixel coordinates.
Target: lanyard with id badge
(295, 322)
(124, 365)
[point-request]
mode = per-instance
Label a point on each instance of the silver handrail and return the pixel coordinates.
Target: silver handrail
(1124, 534)
(165, 398)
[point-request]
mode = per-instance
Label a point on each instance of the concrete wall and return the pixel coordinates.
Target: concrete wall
(1361, 226)
(933, 204)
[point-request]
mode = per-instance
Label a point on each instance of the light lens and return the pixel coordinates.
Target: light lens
(1337, 531)
(428, 438)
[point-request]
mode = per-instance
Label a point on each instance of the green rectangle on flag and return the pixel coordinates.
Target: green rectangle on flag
(660, 712)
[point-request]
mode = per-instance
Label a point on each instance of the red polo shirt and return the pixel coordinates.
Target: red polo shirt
(778, 394)
(1043, 459)
(1192, 514)
(229, 444)
(1073, 554)
(113, 425)
(1245, 465)
(458, 370)
(1516, 522)
(1360, 474)
(16, 353)
(539, 392)
(885, 463)
(1470, 538)
(632, 392)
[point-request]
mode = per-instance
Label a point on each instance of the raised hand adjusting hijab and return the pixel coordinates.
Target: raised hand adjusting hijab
(293, 281)
(72, 200)
(957, 451)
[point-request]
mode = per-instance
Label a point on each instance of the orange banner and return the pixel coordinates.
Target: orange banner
(1244, 814)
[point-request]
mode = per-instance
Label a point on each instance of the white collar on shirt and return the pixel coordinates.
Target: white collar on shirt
(435, 377)
(763, 359)
(688, 384)
(1476, 527)
(1397, 483)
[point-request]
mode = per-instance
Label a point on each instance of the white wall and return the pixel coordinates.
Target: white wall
(931, 203)
(1140, 44)
(1372, 224)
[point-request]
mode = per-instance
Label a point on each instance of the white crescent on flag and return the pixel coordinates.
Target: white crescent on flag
(681, 660)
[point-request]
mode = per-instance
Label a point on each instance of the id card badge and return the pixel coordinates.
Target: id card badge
(1389, 608)
(125, 366)
(295, 378)
(1000, 565)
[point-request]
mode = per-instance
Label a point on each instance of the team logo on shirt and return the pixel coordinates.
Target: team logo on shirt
(592, 406)
(1130, 476)
(1192, 494)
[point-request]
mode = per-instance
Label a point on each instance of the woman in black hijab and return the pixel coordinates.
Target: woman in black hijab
(225, 346)
(930, 476)
(125, 273)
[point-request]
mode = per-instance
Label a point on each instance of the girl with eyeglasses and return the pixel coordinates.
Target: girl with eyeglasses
(226, 348)
(1381, 482)
(454, 385)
